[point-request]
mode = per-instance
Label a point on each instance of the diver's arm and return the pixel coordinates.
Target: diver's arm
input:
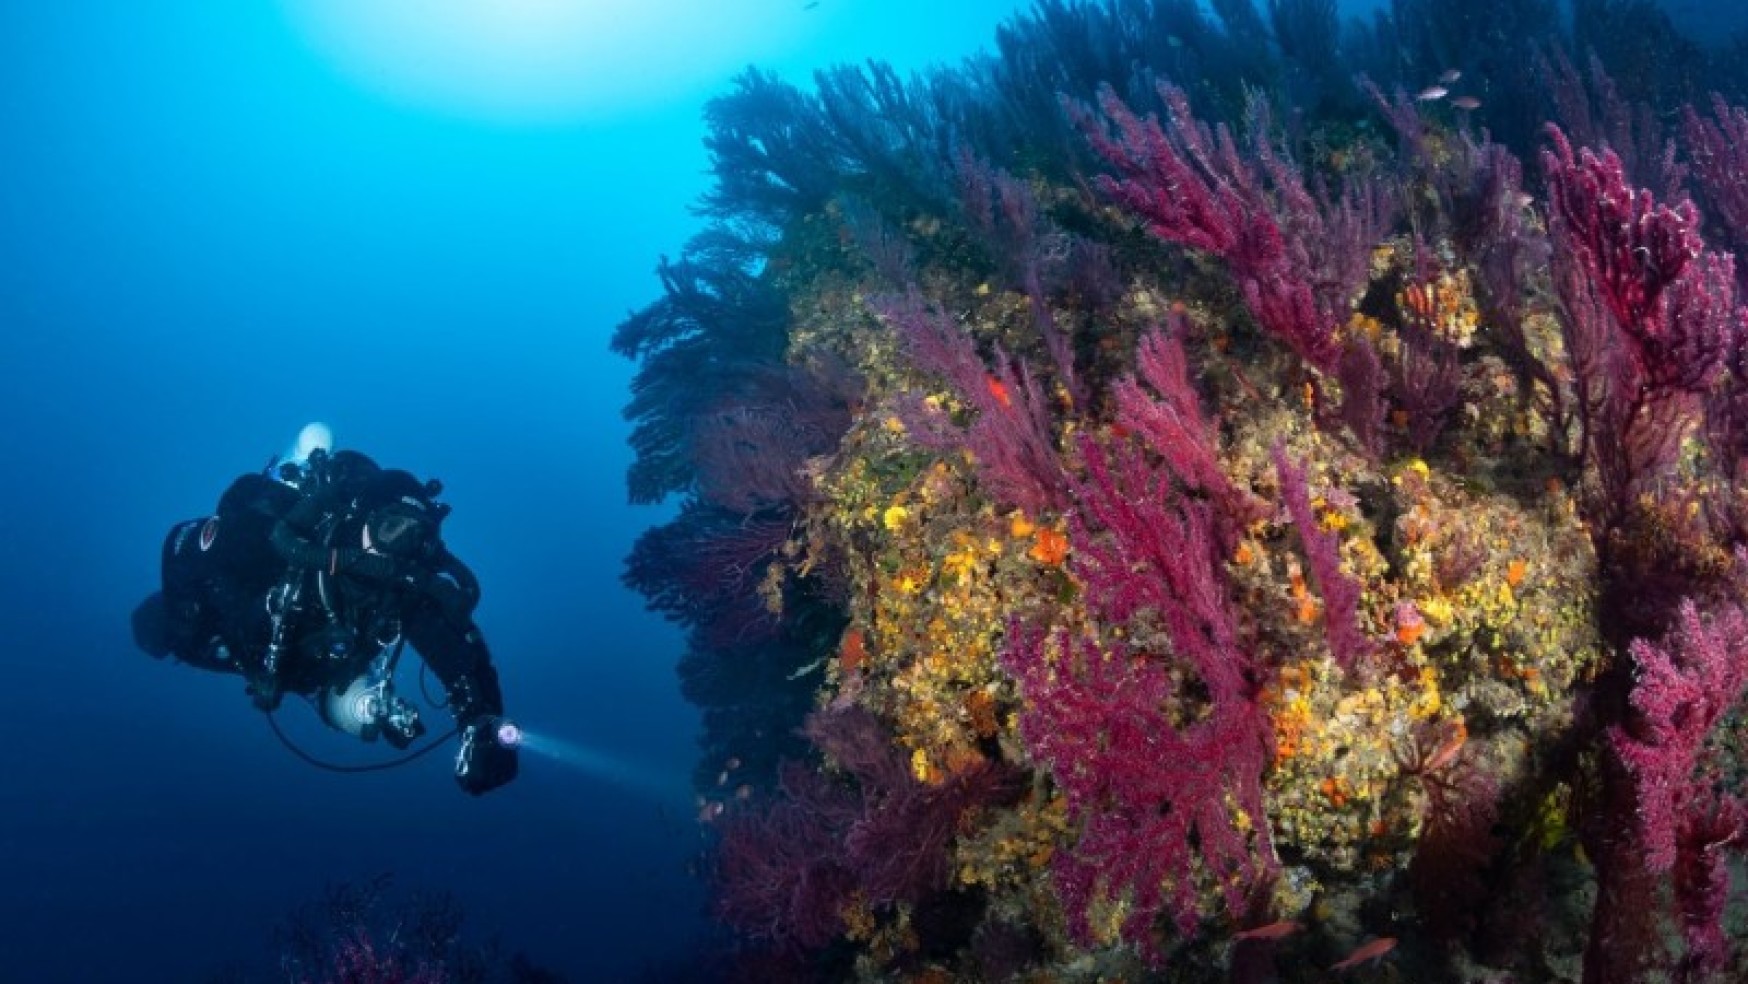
(487, 756)
(459, 657)
(446, 583)
(293, 538)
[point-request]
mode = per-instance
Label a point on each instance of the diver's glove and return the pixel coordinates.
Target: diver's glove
(488, 757)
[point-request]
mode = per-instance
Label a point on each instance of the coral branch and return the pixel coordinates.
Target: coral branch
(1298, 258)
(1010, 437)
(1141, 545)
(1341, 593)
(786, 872)
(1164, 776)
(1669, 298)
(1650, 316)
(1160, 807)
(1160, 406)
(1718, 148)
(1684, 686)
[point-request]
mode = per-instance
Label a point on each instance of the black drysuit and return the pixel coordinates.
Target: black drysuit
(300, 552)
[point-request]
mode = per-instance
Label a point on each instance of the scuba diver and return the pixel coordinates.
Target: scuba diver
(309, 579)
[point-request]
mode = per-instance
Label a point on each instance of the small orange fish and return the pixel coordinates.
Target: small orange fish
(1446, 753)
(1373, 950)
(1273, 931)
(999, 390)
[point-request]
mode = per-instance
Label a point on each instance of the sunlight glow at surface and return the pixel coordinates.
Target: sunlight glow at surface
(544, 61)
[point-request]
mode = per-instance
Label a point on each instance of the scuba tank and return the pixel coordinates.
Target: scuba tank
(366, 706)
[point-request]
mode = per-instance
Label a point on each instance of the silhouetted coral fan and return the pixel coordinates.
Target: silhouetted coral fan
(1178, 499)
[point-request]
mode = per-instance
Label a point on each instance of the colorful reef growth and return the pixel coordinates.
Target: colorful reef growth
(370, 932)
(1199, 496)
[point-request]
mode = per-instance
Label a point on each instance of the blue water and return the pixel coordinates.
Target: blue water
(217, 223)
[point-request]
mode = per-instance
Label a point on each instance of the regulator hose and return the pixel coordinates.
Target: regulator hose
(325, 766)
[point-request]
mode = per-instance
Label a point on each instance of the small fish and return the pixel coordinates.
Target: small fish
(1367, 951)
(1431, 93)
(1451, 76)
(1446, 753)
(1273, 931)
(1466, 103)
(999, 390)
(732, 764)
(805, 670)
(812, 5)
